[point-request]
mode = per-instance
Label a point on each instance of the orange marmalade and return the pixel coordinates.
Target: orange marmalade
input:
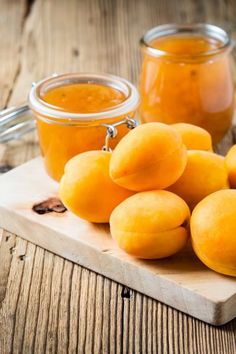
(72, 112)
(186, 77)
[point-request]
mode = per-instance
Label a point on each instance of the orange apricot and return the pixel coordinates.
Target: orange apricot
(86, 188)
(194, 137)
(151, 156)
(213, 230)
(230, 162)
(151, 224)
(204, 174)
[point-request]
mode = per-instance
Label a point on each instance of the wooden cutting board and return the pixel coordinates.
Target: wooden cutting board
(181, 281)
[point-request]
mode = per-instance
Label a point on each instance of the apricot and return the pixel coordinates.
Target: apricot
(194, 137)
(213, 229)
(151, 225)
(151, 156)
(230, 162)
(204, 174)
(86, 188)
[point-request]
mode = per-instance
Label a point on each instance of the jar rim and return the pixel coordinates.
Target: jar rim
(37, 104)
(196, 28)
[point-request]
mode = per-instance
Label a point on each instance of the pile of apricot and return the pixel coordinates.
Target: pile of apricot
(149, 185)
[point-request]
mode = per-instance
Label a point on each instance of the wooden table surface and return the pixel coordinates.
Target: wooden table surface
(48, 304)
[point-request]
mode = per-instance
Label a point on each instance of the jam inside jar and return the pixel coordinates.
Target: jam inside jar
(72, 112)
(186, 77)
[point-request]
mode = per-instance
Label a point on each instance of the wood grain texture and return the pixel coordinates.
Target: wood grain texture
(11, 25)
(53, 305)
(92, 35)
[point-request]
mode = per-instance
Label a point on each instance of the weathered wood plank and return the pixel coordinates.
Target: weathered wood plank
(96, 314)
(7, 248)
(32, 311)
(11, 25)
(40, 340)
(9, 305)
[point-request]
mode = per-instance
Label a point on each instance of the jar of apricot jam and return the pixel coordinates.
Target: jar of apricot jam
(186, 77)
(73, 111)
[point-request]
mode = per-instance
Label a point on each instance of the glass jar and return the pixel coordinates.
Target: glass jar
(186, 77)
(63, 130)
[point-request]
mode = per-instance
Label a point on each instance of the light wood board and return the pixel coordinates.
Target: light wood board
(181, 281)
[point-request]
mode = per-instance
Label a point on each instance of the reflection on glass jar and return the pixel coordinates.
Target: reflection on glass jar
(186, 77)
(72, 111)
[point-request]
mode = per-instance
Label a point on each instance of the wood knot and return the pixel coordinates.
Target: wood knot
(126, 293)
(23, 257)
(48, 206)
(12, 250)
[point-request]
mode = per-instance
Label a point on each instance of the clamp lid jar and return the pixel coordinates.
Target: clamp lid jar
(186, 77)
(73, 112)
